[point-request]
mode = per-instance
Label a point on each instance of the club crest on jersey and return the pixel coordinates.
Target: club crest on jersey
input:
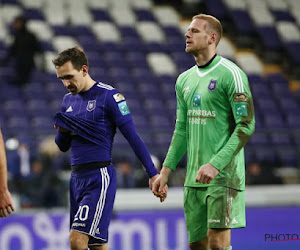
(212, 85)
(91, 105)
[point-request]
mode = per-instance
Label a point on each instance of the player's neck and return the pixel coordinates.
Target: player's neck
(89, 83)
(203, 58)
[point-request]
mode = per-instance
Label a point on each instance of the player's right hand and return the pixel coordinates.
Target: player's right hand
(206, 173)
(160, 187)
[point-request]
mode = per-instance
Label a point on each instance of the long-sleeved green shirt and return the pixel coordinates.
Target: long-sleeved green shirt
(215, 119)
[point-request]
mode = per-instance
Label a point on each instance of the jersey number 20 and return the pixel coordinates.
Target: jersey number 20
(82, 213)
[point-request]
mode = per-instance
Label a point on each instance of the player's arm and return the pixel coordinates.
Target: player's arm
(63, 137)
(129, 132)
(119, 113)
(176, 149)
(6, 205)
(178, 144)
(63, 140)
(241, 102)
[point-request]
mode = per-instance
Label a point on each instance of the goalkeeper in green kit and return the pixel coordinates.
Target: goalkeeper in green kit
(215, 119)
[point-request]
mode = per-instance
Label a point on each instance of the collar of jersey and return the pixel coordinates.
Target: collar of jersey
(84, 93)
(204, 71)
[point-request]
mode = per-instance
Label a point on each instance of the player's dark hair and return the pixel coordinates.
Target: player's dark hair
(75, 55)
(214, 25)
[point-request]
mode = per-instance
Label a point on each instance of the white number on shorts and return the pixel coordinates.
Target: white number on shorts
(82, 210)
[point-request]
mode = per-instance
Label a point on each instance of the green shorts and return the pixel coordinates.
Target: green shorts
(212, 207)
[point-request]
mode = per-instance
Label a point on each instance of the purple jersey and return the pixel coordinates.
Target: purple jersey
(101, 104)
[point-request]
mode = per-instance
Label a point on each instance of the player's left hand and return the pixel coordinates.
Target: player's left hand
(206, 173)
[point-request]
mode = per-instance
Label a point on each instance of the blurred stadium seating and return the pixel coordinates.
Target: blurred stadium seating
(137, 46)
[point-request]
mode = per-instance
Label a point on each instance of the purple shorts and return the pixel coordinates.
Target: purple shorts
(92, 195)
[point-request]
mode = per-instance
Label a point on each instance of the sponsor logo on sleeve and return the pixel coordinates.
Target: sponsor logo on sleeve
(240, 97)
(123, 108)
(241, 109)
(118, 97)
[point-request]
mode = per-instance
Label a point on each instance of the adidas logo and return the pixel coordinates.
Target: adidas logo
(186, 90)
(70, 109)
(234, 221)
(97, 231)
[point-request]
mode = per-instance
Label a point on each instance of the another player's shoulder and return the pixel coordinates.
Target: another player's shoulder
(230, 68)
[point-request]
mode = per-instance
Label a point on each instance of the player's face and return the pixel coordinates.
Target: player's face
(197, 37)
(72, 79)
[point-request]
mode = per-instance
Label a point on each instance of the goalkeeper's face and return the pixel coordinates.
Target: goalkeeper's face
(72, 78)
(197, 37)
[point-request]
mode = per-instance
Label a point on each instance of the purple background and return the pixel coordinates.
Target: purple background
(161, 229)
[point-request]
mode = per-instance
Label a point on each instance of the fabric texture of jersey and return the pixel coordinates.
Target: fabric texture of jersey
(215, 119)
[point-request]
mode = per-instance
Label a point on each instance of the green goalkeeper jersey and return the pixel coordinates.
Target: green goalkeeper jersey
(215, 118)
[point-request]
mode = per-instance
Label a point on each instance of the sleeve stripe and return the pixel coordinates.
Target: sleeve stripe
(105, 86)
(239, 87)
